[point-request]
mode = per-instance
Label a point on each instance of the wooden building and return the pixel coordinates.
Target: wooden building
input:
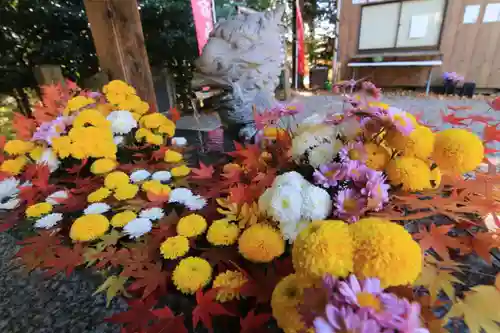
(463, 34)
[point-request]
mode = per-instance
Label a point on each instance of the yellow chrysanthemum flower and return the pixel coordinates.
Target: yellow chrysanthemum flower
(273, 132)
(192, 274)
(413, 173)
(180, 171)
(286, 297)
(91, 117)
(105, 109)
(154, 139)
(76, 103)
(121, 219)
(99, 195)
(38, 209)
(167, 128)
(457, 151)
(385, 250)
(116, 98)
(261, 243)
(62, 146)
(221, 232)
(37, 152)
(435, 177)
(89, 227)
(419, 143)
(192, 225)
(103, 165)
(229, 283)
(376, 104)
(174, 247)
(377, 157)
(142, 133)
(131, 102)
(323, 247)
(18, 147)
(126, 191)
(171, 156)
(116, 179)
(118, 86)
(156, 187)
(154, 120)
(15, 166)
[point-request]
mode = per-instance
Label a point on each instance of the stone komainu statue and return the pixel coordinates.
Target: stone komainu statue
(243, 57)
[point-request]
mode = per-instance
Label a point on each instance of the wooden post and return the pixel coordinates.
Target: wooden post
(119, 41)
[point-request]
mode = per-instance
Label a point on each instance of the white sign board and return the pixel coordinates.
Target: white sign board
(418, 26)
(471, 14)
(492, 13)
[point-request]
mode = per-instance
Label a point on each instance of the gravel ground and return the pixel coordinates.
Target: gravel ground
(32, 303)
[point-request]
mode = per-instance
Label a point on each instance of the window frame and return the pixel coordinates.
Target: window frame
(435, 47)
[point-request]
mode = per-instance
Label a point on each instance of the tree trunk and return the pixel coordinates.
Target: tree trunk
(22, 100)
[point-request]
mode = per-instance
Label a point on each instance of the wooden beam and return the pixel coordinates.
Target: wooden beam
(119, 41)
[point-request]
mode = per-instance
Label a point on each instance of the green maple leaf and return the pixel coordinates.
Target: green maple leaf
(435, 279)
(479, 309)
(114, 285)
(109, 239)
(89, 255)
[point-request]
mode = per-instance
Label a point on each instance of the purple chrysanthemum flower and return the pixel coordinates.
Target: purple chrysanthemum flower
(400, 120)
(330, 174)
(350, 205)
(353, 151)
(367, 291)
(345, 320)
(375, 189)
(51, 129)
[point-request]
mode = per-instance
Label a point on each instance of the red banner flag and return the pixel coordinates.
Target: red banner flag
(203, 20)
(300, 43)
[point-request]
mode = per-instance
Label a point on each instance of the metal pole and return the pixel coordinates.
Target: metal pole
(295, 45)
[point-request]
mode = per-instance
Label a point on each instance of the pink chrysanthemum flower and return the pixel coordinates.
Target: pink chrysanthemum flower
(349, 205)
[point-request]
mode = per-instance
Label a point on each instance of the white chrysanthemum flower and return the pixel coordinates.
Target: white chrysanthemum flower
(180, 195)
(96, 208)
(324, 153)
(179, 141)
(265, 200)
(49, 221)
(122, 122)
(308, 137)
(57, 198)
(291, 178)
(153, 213)
(26, 184)
(196, 202)
(285, 205)
(8, 187)
(10, 204)
(291, 230)
(118, 140)
(162, 176)
(138, 227)
(316, 204)
(139, 175)
(50, 159)
(350, 128)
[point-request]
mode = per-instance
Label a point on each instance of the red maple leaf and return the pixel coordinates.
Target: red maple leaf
(239, 194)
(484, 242)
(221, 257)
(138, 317)
(40, 178)
(491, 133)
(495, 104)
(38, 245)
(166, 325)
(174, 114)
(488, 151)
(204, 172)
(206, 308)
(150, 279)
(479, 119)
(249, 155)
(23, 126)
(77, 168)
(437, 238)
(108, 256)
(459, 107)
(451, 119)
(252, 323)
(159, 154)
(64, 259)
